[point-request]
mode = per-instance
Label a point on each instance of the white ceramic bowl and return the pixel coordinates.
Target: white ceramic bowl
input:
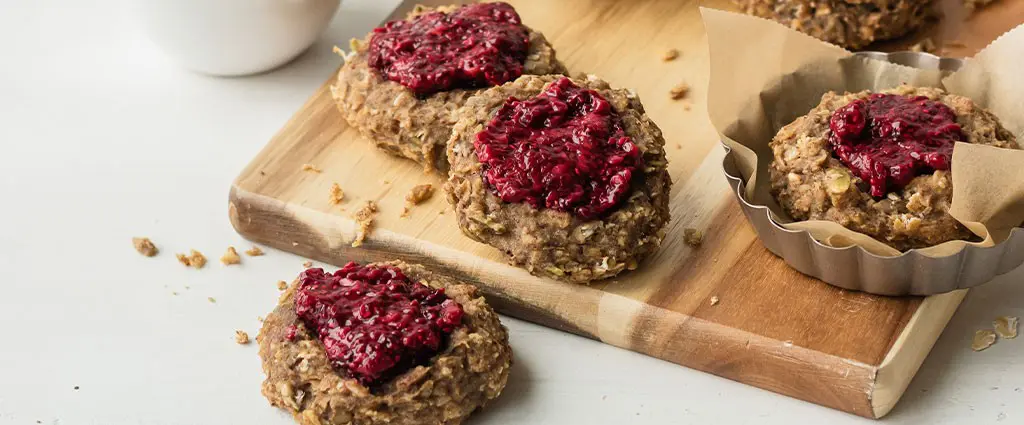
(235, 37)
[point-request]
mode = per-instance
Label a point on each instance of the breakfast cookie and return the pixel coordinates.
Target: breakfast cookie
(879, 163)
(383, 343)
(400, 85)
(566, 176)
(852, 24)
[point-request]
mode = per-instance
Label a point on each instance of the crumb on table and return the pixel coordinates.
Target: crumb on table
(230, 257)
(983, 339)
(211, 299)
(337, 195)
(311, 168)
(679, 91)
(145, 246)
(670, 55)
(282, 285)
(419, 194)
(364, 218)
(926, 45)
(195, 259)
(714, 300)
(255, 251)
(1006, 327)
(307, 264)
(241, 337)
(693, 237)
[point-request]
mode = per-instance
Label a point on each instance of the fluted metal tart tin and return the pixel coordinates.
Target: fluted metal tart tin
(853, 267)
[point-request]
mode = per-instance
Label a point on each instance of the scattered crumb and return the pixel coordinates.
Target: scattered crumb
(387, 181)
(787, 343)
(364, 218)
(714, 300)
(262, 173)
(295, 244)
(442, 212)
(405, 212)
(337, 195)
(693, 237)
(679, 91)
(260, 318)
(983, 339)
(282, 285)
(76, 387)
(195, 259)
(241, 337)
(687, 106)
(419, 194)
(230, 257)
(1006, 327)
(307, 264)
(255, 251)
(175, 293)
(926, 45)
(211, 299)
(310, 168)
(145, 246)
(670, 55)
(679, 145)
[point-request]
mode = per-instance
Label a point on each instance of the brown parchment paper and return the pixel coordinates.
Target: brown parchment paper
(764, 76)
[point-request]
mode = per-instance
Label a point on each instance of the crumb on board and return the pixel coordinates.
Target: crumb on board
(255, 251)
(241, 337)
(336, 195)
(195, 259)
(926, 46)
(679, 91)
(983, 339)
(230, 257)
(1006, 327)
(311, 168)
(693, 237)
(295, 244)
(714, 300)
(420, 194)
(387, 181)
(260, 319)
(307, 264)
(175, 293)
(679, 145)
(282, 285)
(145, 246)
(364, 218)
(670, 55)
(211, 299)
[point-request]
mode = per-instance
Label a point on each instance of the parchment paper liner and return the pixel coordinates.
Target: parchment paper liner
(765, 75)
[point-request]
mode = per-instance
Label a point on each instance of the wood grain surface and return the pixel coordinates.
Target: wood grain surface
(772, 327)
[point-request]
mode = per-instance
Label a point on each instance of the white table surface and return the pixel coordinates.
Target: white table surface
(103, 139)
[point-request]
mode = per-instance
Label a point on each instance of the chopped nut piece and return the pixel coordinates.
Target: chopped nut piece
(241, 337)
(364, 218)
(983, 339)
(1006, 327)
(145, 246)
(693, 237)
(670, 55)
(679, 91)
(337, 195)
(255, 251)
(282, 285)
(310, 168)
(211, 299)
(230, 257)
(195, 259)
(307, 264)
(419, 194)
(838, 180)
(714, 300)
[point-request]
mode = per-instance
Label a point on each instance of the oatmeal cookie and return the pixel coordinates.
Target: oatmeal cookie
(445, 360)
(852, 24)
(566, 176)
(841, 162)
(414, 120)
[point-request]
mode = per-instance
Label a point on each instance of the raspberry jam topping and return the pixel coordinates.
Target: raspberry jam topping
(373, 321)
(890, 139)
(479, 45)
(564, 150)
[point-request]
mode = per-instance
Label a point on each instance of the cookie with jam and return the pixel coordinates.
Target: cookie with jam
(383, 343)
(566, 176)
(879, 163)
(401, 84)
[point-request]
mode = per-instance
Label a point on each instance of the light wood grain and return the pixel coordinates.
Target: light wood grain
(773, 327)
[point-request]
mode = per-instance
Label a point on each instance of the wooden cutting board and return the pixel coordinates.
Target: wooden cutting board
(772, 328)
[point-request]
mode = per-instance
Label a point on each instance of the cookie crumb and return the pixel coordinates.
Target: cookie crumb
(679, 91)
(211, 299)
(282, 285)
(364, 218)
(145, 246)
(337, 195)
(983, 339)
(387, 181)
(295, 244)
(230, 257)
(693, 237)
(241, 338)
(1006, 327)
(311, 168)
(714, 300)
(307, 264)
(420, 194)
(195, 259)
(260, 319)
(926, 46)
(174, 293)
(255, 251)
(679, 145)
(670, 55)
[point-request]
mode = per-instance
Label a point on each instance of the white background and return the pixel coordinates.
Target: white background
(102, 139)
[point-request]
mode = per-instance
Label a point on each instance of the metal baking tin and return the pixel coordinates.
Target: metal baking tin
(910, 273)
